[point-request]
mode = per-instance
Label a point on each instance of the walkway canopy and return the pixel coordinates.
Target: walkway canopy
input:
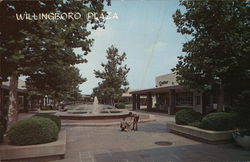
(155, 91)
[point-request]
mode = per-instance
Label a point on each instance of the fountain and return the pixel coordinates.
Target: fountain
(95, 106)
(94, 111)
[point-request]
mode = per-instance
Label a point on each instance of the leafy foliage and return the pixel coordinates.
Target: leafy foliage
(46, 108)
(35, 47)
(219, 121)
(120, 105)
(218, 52)
(54, 118)
(44, 50)
(195, 124)
(35, 130)
(242, 107)
(60, 84)
(114, 77)
(186, 116)
(244, 132)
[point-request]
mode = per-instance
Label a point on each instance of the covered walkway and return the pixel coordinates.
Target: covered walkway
(165, 98)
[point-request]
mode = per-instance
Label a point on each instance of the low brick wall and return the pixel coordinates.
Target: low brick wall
(46, 151)
(207, 136)
(96, 117)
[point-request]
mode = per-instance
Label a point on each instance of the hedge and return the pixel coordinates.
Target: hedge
(195, 124)
(54, 118)
(47, 108)
(34, 130)
(1, 132)
(219, 121)
(186, 116)
(120, 105)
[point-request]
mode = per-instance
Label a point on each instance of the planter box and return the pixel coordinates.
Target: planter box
(45, 151)
(207, 136)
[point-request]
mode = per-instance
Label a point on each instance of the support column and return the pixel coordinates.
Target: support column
(149, 101)
(48, 100)
(138, 102)
(134, 101)
(171, 110)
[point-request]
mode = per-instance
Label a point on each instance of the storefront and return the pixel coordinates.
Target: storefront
(168, 96)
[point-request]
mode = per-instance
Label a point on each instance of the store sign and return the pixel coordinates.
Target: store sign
(163, 82)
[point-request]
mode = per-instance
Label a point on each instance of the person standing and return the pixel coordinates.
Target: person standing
(135, 122)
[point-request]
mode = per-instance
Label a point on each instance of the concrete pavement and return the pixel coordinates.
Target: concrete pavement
(110, 144)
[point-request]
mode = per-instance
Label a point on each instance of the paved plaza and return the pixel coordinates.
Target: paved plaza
(106, 144)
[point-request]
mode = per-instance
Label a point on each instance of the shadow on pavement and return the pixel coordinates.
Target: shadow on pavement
(153, 127)
(197, 152)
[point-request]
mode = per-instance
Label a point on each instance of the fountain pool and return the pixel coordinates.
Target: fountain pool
(94, 111)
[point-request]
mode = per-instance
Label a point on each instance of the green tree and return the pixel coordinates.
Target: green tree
(114, 77)
(58, 84)
(217, 56)
(29, 47)
(242, 107)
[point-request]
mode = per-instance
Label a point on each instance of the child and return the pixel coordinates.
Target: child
(124, 124)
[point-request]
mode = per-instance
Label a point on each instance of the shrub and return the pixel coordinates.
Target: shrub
(186, 116)
(120, 105)
(219, 121)
(182, 108)
(195, 124)
(54, 118)
(35, 130)
(242, 107)
(47, 108)
(1, 133)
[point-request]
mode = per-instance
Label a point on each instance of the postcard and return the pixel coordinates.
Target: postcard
(124, 80)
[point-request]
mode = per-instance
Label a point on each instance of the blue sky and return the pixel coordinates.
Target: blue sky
(145, 31)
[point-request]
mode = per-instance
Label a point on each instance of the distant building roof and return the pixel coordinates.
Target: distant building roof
(21, 85)
(86, 96)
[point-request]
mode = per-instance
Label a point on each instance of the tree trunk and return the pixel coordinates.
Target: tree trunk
(2, 112)
(112, 101)
(1, 100)
(221, 99)
(13, 107)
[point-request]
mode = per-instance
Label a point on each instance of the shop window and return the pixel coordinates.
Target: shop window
(184, 99)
